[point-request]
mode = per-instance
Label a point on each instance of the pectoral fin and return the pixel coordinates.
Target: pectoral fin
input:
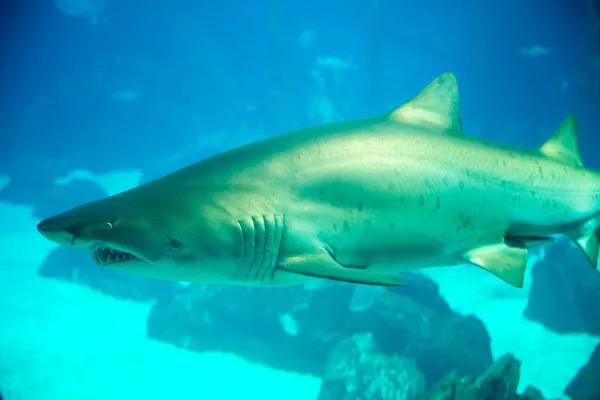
(506, 262)
(322, 265)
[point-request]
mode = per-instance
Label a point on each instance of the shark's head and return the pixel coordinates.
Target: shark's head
(112, 235)
(140, 234)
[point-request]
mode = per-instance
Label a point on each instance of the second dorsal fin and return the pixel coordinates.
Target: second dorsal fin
(436, 107)
(563, 146)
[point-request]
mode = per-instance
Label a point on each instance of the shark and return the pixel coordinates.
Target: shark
(355, 201)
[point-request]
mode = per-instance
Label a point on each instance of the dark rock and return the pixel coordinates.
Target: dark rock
(46, 197)
(499, 382)
(357, 370)
(296, 329)
(438, 341)
(586, 384)
(30, 182)
(248, 321)
(75, 265)
(567, 272)
(531, 393)
(425, 292)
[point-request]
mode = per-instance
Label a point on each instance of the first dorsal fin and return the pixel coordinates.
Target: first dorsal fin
(437, 106)
(563, 146)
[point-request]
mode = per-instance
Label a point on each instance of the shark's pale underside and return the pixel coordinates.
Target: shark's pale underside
(355, 201)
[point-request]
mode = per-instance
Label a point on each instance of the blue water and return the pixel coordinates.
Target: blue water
(126, 91)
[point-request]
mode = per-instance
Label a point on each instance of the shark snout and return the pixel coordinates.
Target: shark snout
(54, 229)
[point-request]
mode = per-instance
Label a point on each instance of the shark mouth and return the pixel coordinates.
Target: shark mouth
(104, 256)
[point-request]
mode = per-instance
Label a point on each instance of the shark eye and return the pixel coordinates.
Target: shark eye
(107, 225)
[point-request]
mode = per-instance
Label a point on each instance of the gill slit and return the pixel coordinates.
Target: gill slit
(261, 241)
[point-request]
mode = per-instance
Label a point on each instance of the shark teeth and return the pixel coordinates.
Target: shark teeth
(104, 256)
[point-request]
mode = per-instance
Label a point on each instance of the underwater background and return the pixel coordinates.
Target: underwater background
(98, 96)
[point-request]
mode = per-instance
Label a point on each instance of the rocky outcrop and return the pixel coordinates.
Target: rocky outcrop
(297, 329)
(499, 382)
(438, 340)
(562, 286)
(357, 370)
(586, 384)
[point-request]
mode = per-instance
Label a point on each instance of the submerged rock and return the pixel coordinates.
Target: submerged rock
(564, 270)
(499, 382)
(586, 384)
(438, 340)
(357, 370)
(297, 329)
